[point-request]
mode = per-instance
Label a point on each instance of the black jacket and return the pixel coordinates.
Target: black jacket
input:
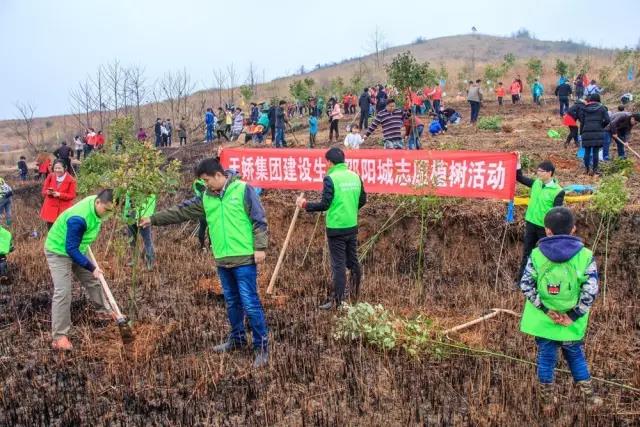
(593, 118)
(620, 123)
(325, 202)
(364, 102)
(156, 129)
(62, 152)
(563, 90)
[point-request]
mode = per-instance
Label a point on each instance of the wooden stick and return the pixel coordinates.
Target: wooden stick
(274, 276)
(626, 144)
(494, 313)
(106, 290)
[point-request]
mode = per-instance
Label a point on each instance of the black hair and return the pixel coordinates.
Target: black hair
(335, 155)
(59, 162)
(158, 119)
(499, 83)
(479, 80)
(559, 220)
(547, 166)
(63, 143)
(23, 158)
(366, 89)
(390, 100)
(470, 82)
(636, 117)
(209, 167)
(105, 196)
(254, 104)
(282, 102)
(594, 97)
(620, 107)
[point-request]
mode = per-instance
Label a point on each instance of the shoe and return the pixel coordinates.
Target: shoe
(327, 305)
(229, 346)
(586, 390)
(62, 344)
(261, 360)
(150, 265)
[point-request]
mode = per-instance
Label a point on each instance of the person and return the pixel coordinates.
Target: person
(6, 246)
(313, 130)
(281, 122)
(435, 127)
(6, 193)
(520, 87)
(474, 97)
(353, 140)
(157, 129)
(579, 85)
(90, 142)
(228, 121)
(238, 124)
(346, 103)
(59, 191)
(44, 165)
(563, 92)
(65, 249)
(354, 101)
(514, 89)
(546, 193)
(342, 197)
(132, 215)
(78, 146)
(99, 140)
(364, 102)
(569, 120)
(391, 120)
(426, 100)
(320, 105)
(620, 129)
(208, 122)
(560, 283)
(592, 89)
(254, 113)
(262, 127)
(23, 170)
(238, 233)
(169, 127)
(381, 98)
(221, 131)
(182, 131)
(500, 93)
(450, 115)
(537, 90)
(413, 128)
(142, 135)
(64, 154)
(593, 117)
(436, 98)
(164, 132)
(335, 114)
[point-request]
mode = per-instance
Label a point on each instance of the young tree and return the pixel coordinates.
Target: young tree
(300, 90)
(406, 72)
(377, 44)
(231, 72)
(100, 97)
(252, 79)
(169, 88)
(534, 69)
(115, 73)
(138, 92)
(561, 68)
(246, 91)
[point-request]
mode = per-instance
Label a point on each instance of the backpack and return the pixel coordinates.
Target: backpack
(556, 282)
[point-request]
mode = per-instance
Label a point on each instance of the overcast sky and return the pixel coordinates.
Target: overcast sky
(48, 46)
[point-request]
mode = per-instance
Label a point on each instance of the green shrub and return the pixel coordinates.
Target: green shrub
(493, 123)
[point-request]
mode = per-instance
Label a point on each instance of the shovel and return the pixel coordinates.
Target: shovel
(123, 325)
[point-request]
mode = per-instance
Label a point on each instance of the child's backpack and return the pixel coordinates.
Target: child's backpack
(556, 285)
(435, 127)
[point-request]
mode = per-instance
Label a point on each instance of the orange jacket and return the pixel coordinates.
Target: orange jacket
(515, 88)
(436, 93)
(500, 92)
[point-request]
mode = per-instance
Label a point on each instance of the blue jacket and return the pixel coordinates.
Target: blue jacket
(313, 125)
(208, 118)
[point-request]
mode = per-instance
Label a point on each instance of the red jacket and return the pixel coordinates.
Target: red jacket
(45, 166)
(567, 120)
(437, 93)
(54, 206)
(99, 141)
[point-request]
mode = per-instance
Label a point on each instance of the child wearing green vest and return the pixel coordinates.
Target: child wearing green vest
(546, 193)
(6, 246)
(65, 248)
(342, 197)
(238, 234)
(560, 283)
(132, 216)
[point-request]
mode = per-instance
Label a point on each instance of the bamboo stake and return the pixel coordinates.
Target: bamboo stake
(494, 313)
(274, 276)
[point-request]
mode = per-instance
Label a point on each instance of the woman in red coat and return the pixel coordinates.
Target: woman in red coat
(59, 190)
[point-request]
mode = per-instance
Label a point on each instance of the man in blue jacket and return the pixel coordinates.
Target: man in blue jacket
(208, 121)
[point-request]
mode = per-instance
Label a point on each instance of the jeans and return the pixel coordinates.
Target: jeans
(23, 176)
(589, 154)
(564, 105)
(622, 135)
(607, 145)
(145, 232)
(536, 99)
(413, 143)
(344, 254)
(499, 100)
(209, 135)
(280, 138)
(158, 141)
(475, 110)
(532, 234)
(78, 154)
(241, 297)
(393, 144)
(547, 359)
(436, 106)
(5, 206)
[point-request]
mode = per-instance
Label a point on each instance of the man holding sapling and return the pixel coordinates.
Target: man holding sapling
(238, 234)
(560, 283)
(342, 196)
(546, 193)
(65, 249)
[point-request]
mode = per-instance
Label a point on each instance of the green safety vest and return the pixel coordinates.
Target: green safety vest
(145, 211)
(5, 241)
(559, 286)
(230, 228)
(541, 201)
(57, 237)
(343, 212)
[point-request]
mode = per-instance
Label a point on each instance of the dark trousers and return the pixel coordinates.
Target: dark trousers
(573, 134)
(273, 133)
(591, 157)
(202, 231)
(532, 234)
(364, 119)
(564, 105)
(183, 140)
(333, 127)
(475, 110)
(436, 106)
(344, 254)
(499, 100)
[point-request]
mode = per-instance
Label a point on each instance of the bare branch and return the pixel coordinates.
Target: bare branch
(23, 125)
(220, 80)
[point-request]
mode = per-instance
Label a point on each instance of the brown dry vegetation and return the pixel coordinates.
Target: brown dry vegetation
(169, 376)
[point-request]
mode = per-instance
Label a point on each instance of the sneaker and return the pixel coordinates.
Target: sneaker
(261, 360)
(586, 390)
(228, 346)
(62, 344)
(548, 398)
(327, 305)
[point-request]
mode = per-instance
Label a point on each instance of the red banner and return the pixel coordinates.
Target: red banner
(443, 173)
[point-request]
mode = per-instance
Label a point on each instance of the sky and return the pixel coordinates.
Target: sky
(48, 46)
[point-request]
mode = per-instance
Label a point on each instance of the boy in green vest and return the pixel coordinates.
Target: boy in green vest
(65, 248)
(6, 246)
(238, 234)
(342, 197)
(560, 283)
(546, 193)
